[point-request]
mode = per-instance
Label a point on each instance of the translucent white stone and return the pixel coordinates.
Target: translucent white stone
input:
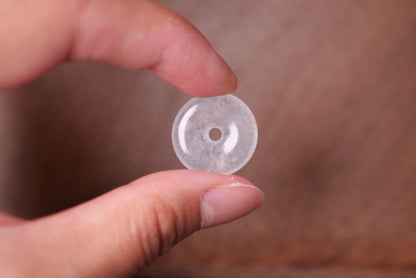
(215, 134)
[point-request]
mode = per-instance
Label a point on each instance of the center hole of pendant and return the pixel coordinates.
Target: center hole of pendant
(215, 134)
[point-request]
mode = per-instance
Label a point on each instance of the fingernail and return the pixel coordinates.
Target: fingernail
(225, 203)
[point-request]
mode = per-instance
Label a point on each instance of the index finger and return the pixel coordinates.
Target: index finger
(130, 34)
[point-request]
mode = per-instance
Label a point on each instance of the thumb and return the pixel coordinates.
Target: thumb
(127, 228)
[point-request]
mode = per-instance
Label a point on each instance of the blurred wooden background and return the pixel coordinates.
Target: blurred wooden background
(333, 86)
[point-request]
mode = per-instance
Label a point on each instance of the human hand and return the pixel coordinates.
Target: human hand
(129, 227)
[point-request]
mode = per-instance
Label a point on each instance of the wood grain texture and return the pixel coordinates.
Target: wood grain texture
(333, 88)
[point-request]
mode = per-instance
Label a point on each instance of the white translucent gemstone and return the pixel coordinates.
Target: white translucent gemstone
(215, 134)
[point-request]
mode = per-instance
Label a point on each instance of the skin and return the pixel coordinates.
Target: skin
(123, 230)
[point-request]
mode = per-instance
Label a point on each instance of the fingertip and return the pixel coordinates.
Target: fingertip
(230, 80)
(220, 80)
(190, 63)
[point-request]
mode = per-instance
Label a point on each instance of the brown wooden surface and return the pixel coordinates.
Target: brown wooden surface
(333, 88)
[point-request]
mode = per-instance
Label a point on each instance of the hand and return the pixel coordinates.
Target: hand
(131, 226)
